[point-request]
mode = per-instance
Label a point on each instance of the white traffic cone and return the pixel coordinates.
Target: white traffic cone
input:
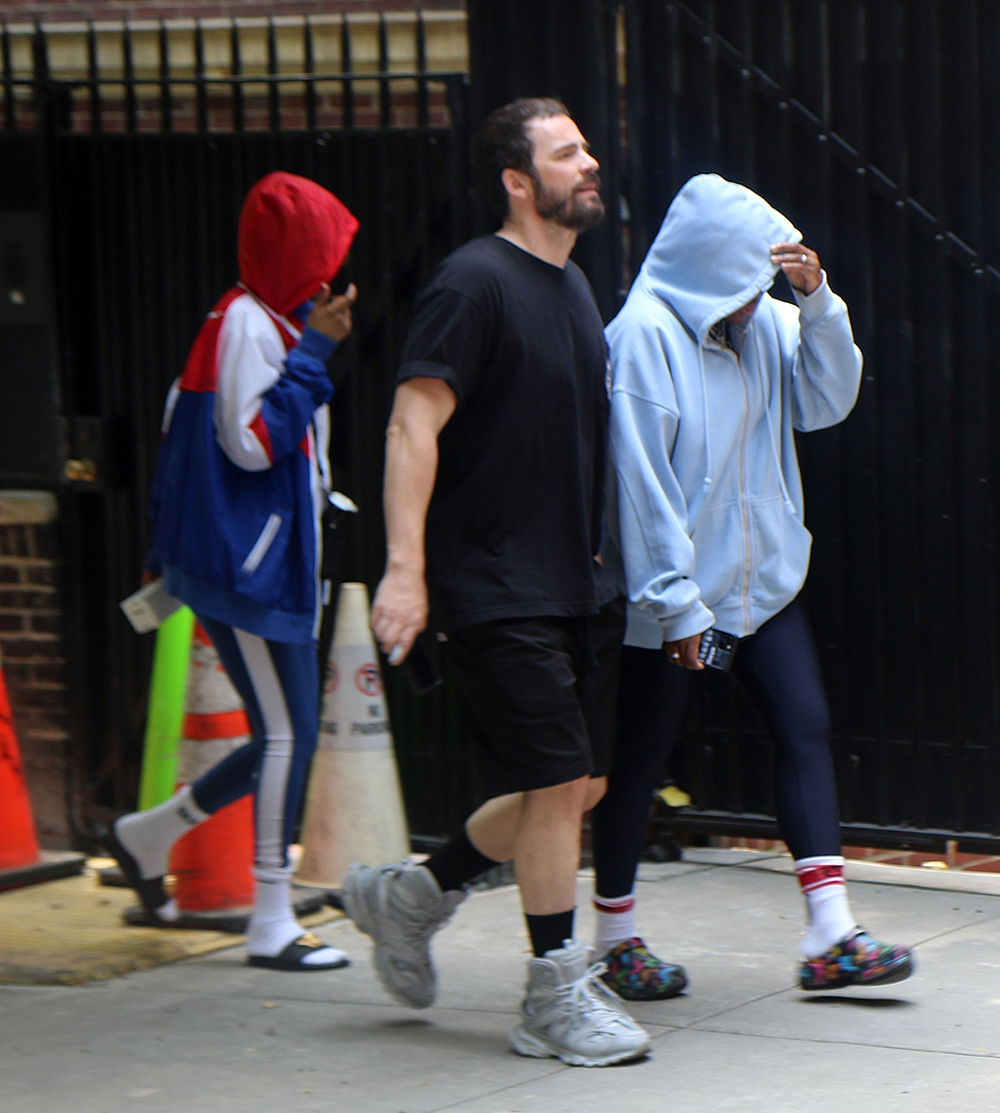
(354, 807)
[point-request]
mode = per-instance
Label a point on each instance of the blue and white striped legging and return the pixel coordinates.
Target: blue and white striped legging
(279, 684)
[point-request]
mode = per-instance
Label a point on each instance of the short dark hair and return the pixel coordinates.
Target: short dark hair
(502, 142)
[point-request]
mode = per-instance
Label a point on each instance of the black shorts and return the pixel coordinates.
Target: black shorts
(541, 692)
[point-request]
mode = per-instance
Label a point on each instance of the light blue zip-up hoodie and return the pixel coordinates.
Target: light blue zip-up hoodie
(705, 502)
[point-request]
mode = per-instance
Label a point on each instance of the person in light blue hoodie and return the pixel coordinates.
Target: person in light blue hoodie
(711, 377)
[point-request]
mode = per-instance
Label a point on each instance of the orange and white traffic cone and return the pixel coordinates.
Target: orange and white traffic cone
(18, 841)
(354, 807)
(212, 864)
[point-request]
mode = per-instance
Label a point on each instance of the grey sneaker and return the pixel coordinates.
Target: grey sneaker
(400, 907)
(570, 1014)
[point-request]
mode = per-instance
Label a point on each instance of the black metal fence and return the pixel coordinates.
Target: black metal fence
(140, 163)
(875, 125)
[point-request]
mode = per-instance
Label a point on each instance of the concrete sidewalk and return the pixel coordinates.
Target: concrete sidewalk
(212, 1034)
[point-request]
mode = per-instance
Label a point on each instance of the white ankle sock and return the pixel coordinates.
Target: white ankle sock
(273, 924)
(615, 918)
(149, 835)
(829, 914)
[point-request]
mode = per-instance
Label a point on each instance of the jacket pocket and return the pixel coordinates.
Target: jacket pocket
(781, 546)
(260, 547)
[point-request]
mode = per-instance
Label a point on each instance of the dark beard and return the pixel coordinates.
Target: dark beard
(571, 212)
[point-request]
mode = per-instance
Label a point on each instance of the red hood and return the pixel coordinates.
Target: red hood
(294, 236)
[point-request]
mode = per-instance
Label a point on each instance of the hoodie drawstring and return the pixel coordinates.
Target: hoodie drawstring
(770, 424)
(707, 478)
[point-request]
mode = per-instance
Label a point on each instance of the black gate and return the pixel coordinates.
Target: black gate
(875, 125)
(140, 174)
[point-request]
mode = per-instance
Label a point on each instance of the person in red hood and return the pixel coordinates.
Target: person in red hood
(241, 483)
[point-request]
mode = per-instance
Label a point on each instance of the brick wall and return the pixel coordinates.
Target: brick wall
(33, 655)
(70, 10)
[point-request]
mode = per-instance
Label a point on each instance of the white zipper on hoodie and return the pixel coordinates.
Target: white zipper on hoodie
(745, 498)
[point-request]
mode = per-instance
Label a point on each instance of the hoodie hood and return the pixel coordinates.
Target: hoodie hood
(294, 235)
(711, 255)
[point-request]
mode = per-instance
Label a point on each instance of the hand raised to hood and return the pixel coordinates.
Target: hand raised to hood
(800, 264)
(332, 315)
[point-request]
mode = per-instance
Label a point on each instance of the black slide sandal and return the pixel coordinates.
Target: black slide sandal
(291, 957)
(151, 891)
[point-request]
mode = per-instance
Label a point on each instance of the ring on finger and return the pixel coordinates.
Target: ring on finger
(805, 258)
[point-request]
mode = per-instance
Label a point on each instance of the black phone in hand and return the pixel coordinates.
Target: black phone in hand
(717, 649)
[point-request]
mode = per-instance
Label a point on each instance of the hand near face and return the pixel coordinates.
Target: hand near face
(332, 315)
(800, 263)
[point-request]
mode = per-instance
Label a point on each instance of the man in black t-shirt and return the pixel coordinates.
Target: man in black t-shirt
(495, 460)
(516, 345)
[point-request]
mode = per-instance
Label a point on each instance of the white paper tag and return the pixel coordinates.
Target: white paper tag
(148, 607)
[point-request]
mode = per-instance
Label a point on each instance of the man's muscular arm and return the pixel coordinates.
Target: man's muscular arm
(421, 409)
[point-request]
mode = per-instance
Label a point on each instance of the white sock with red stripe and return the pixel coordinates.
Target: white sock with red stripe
(829, 915)
(615, 922)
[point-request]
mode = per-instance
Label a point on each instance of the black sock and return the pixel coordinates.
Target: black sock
(548, 933)
(458, 861)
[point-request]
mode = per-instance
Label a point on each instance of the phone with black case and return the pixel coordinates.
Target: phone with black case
(717, 649)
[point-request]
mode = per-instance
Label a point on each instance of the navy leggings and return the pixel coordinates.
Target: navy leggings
(279, 685)
(779, 671)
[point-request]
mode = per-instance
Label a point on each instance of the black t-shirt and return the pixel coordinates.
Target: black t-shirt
(515, 515)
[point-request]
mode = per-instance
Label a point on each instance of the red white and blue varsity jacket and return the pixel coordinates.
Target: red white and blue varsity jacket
(242, 475)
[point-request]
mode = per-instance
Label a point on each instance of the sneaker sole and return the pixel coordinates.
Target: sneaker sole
(534, 1047)
(899, 973)
(365, 919)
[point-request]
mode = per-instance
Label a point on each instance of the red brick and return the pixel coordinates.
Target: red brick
(16, 675)
(41, 573)
(961, 859)
(38, 723)
(45, 622)
(43, 648)
(47, 699)
(37, 541)
(984, 865)
(14, 600)
(51, 673)
(15, 541)
(11, 622)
